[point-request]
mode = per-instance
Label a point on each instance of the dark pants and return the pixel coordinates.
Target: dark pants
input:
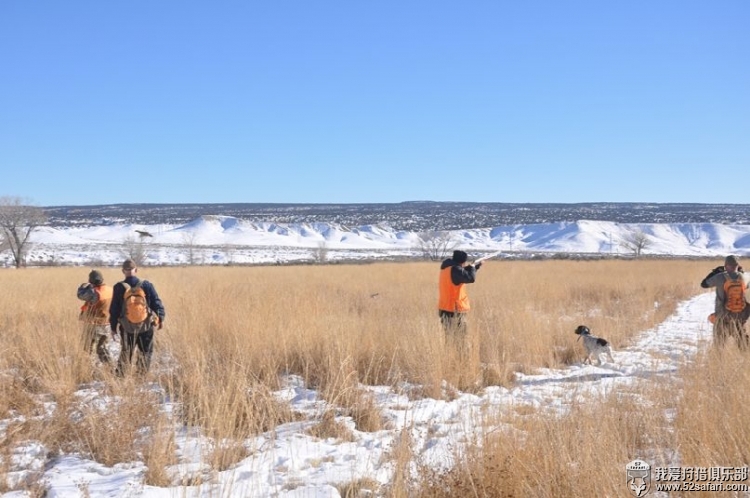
(461, 353)
(96, 337)
(129, 342)
(731, 325)
(456, 330)
(453, 323)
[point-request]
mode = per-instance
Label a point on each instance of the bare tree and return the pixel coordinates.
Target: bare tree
(636, 242)
(4, 244)
(435, 245)
(135, 249)
(18, 219)
(320, 253)
(190, 239)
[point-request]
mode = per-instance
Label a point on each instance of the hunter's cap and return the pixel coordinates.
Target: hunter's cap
(128, 264)
(96, 278)
(460, 257)
(731, 261)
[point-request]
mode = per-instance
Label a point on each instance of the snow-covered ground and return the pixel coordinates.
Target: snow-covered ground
(225, 240)
(289, 463)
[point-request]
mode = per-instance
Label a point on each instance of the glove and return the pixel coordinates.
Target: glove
(740, 269)
(718, 269)
(478, 265)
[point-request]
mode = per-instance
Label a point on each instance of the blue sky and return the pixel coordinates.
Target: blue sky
(317, 102)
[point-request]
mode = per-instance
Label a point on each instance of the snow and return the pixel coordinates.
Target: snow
(287, 456)
(225, 239)
(288, 462)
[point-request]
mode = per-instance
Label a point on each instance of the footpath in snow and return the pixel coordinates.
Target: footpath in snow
(290, 463)
(658, 351)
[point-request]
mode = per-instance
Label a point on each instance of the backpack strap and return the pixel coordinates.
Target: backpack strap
(137, 283)
(150, 314)
(127, 286)
(738, 279)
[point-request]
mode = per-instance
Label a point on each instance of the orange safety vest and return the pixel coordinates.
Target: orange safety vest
(453, 297)
(98, 313)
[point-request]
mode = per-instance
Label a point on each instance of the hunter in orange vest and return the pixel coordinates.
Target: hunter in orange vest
(731, 309)
(96, 297)
(453, 303)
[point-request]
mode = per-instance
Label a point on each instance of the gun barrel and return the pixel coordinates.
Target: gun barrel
(488, 256)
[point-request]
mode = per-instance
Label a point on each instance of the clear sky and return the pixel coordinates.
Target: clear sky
(349, 101)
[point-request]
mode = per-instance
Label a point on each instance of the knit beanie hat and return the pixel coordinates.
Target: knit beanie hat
(460, 257)
(96, 278)
(731, 261)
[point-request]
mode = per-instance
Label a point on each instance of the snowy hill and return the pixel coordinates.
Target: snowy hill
(219, 239)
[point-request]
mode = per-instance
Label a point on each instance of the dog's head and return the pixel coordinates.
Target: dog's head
(582, 330)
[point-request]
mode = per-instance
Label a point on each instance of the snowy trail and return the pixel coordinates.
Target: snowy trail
(290, 463)
(659, 351)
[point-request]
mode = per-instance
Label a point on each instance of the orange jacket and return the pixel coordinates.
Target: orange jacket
(97, 312)
(452, 286)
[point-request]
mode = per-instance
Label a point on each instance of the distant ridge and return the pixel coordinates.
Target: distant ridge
(228, 240)
(407, 215)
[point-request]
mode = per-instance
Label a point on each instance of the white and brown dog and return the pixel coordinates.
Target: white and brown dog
(595, 346)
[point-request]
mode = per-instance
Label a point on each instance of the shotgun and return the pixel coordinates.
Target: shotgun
(488, 256)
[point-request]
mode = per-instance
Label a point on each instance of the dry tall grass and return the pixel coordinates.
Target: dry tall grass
(712, 422)
(230, 333)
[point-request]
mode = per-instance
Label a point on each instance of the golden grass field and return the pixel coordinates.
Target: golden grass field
(230, 331)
